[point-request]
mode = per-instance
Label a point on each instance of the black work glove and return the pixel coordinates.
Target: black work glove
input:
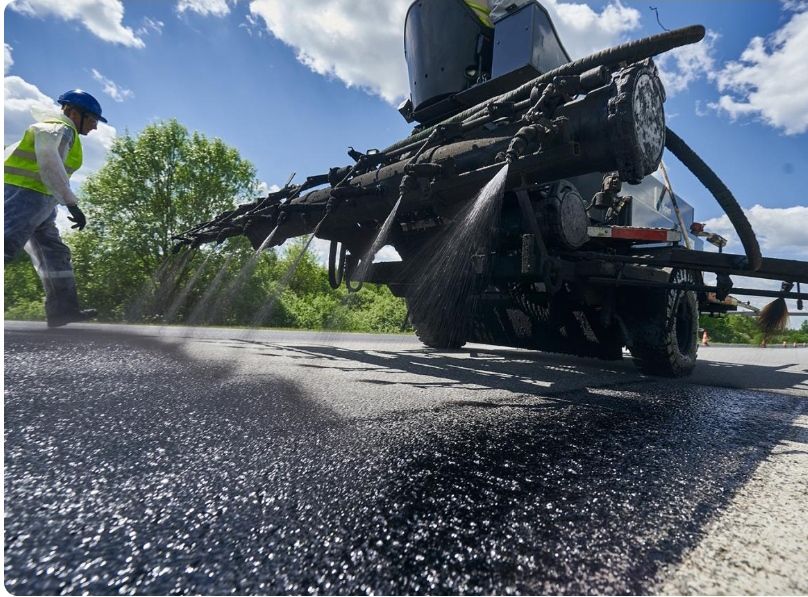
(80, 221)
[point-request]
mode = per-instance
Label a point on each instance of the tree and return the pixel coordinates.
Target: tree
(154, 185)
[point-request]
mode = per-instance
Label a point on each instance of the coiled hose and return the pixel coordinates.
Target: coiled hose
(722, 194)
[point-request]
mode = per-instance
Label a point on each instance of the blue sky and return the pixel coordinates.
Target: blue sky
(292, 84)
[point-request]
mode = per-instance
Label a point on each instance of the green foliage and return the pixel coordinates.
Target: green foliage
(22, 294)
(307, 301)
(159, 183)
(379, 310)
(21, 284)
(28, 310)
(733, 329)
(740, 329)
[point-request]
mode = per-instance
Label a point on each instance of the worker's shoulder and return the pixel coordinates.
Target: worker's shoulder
(55, 127)
(52, 122)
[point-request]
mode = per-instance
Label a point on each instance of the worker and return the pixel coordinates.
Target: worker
(489, 11)
(482, 9)
(705, 339)
(36, 180)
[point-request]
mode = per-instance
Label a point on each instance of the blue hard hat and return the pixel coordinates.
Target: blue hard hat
(83, 100)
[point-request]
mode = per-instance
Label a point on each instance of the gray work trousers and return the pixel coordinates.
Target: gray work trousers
(30, 223)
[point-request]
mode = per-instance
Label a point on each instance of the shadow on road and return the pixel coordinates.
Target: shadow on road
(523, 372)
(132, 468)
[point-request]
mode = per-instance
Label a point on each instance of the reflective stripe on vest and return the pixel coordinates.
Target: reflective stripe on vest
(21, 168)
(482, 11)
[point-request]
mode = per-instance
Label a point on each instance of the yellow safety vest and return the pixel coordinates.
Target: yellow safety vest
(482, 11)
(21, 168)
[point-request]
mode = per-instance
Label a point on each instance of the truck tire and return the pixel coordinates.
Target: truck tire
(435, 334)
(663, 327)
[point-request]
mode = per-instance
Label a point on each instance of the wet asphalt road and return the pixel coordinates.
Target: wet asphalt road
(139, 461)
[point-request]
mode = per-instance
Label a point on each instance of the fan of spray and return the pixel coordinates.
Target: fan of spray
(264, 312)
(380, 240)
(158, 289)
(441, 297)
(202, 311)
(179, 300)
(773, 317)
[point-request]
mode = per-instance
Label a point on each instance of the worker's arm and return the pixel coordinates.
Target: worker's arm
(51, 143)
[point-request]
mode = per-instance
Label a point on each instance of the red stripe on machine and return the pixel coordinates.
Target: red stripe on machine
(663, 235)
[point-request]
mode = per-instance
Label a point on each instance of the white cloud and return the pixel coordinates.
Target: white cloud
(320, 249)
(682, 66)
(387, 253)
(8, 61)
(795, 5)
(111, 88)
(770, 80)
(698, 108)
(62, 223)
(216, 8)
(263, 188)
(103, 18)
(150, 26)
(361, 42)
(252, 25)
(781, 231)
(583, 30)
(21, 98)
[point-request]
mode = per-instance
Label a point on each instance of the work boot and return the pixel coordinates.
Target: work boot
(56, 321)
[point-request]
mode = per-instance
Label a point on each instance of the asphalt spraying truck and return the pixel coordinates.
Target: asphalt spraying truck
(522, 205)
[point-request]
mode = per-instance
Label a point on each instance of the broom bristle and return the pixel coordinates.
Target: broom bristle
(773, 317)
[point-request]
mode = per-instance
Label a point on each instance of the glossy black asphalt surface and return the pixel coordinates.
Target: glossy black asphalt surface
(133, 465)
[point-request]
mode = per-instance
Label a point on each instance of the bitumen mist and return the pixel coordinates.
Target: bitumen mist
(236, 285)
(160, 287)
(201, 312)
(179, 301)
(378, 243)
(269, 305)
(440, 298)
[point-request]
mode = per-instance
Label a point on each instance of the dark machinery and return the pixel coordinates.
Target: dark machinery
(588, 253)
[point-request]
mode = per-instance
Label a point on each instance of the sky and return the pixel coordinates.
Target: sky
(292, 85)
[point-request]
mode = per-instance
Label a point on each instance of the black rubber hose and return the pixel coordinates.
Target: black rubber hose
(336, 269)
(332, 266)
(632, 51)
(722, 194)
